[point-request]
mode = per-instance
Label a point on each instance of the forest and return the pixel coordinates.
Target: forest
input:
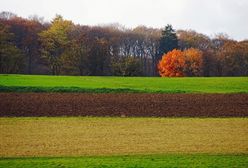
(60, 47)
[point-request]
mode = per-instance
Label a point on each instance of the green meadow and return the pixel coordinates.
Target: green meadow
(36, 83)
(136, 161)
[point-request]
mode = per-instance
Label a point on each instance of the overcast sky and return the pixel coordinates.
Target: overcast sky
(205, 16)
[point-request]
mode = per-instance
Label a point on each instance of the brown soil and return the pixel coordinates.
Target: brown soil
(125, 105)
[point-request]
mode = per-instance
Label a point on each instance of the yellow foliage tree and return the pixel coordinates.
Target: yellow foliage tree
(54, 41)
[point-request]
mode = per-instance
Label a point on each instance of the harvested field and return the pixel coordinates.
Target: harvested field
(125, 105)
(84, 136)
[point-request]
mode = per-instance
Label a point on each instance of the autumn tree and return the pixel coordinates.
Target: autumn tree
(179, 63)
(11, 58)
(191, 39)
(99, 57)
(172, 64)
(32, 46)
(75, 57)
(127, 66)
(233, 59)
(54, 42)
(193, 62)
(26, 38)
(149, 46)
(5, 15)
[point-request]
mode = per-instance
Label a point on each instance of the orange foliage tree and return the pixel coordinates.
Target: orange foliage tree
(172, 64)
(193, 62)
(177, 63)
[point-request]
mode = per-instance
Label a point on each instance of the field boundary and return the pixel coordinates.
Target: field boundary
(126, 155)
(31, 89)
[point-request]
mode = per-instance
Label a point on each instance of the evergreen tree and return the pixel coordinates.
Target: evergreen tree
(168, 41)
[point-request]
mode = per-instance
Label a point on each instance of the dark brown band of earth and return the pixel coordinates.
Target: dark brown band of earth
(125, 105)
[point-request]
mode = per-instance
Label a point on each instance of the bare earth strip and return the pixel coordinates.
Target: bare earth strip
(119, 136)
(132, 105)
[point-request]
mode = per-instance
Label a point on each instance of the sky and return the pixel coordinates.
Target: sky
(209, 17)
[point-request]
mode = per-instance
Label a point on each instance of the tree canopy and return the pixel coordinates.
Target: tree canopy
(60, 47)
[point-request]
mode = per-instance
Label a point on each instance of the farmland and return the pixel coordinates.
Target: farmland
(126, 142)
(130, 91)
(119, 136)
(27, 83)
(123, 104)
(134, 121)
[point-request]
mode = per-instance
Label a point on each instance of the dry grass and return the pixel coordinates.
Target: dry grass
(114, 136)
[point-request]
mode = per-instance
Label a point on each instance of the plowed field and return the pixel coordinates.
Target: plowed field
(125, 105)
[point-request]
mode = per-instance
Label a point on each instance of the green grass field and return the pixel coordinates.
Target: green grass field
(123, 142)
(148, 161)
(27, 83)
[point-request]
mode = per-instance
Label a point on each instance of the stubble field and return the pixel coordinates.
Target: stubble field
(123, 142)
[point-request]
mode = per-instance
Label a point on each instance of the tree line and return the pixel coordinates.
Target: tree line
(32, 46)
